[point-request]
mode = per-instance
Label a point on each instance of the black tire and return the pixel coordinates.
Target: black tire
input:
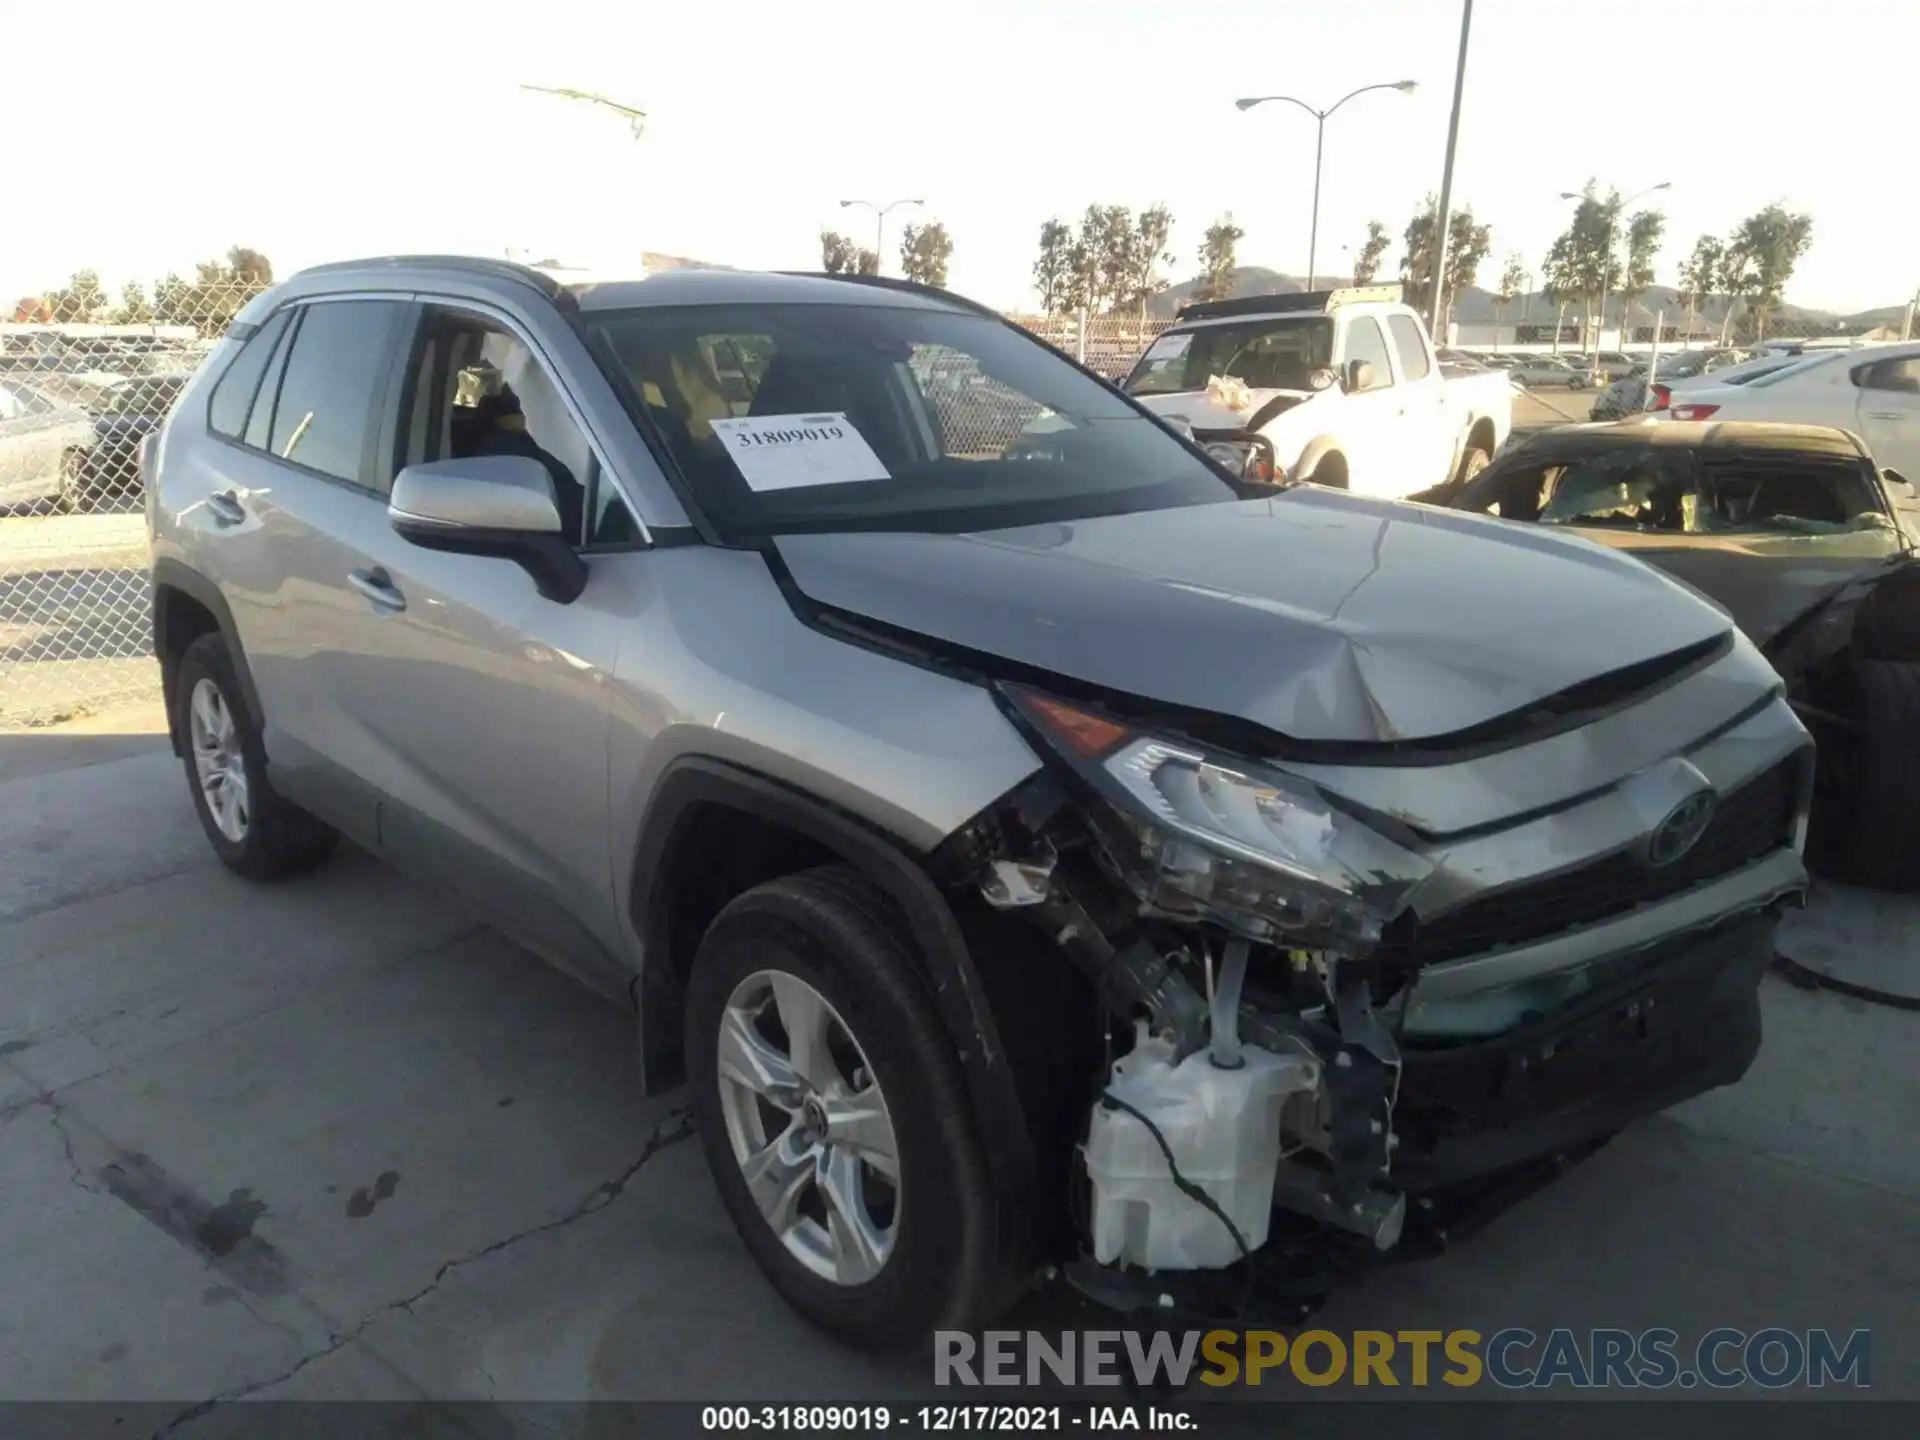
(74, 497)
(1472, 461)
(1330, 471)
(835, 930)
(1886, 828)
(279, 838)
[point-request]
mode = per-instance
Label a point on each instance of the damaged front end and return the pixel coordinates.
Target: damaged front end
(1245, 936)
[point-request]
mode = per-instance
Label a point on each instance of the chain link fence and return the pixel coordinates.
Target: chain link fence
(83, 382)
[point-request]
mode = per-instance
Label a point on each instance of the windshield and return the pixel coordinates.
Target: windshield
(843, 417)
(1272, 353)
(143, 397)
(1647, 489)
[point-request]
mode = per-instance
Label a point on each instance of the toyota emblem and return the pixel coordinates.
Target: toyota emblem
(1674, 836)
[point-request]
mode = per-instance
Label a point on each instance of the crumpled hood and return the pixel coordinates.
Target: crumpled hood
(1320, 615)
(1203, 414)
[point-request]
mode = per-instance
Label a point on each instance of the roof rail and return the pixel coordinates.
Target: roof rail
(1300, 302)
(558, 293)
(889, 282)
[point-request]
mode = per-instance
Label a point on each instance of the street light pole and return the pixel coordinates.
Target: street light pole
(1405, 87)
(880, 225)
(1443, 217)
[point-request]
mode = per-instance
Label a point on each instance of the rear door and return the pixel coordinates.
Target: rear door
(292, 432)
(1431, 426)
(1889, 412)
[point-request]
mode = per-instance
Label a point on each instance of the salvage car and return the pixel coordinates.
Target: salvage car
(1008, 823)
(1338, 387)
(1796, 532)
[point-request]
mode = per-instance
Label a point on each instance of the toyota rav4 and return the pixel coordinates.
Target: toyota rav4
(1031, 844)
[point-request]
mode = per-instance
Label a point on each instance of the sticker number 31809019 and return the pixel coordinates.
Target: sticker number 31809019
(787, 452)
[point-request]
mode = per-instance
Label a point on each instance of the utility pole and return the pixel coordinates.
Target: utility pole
(880, 227)
(1443, 216)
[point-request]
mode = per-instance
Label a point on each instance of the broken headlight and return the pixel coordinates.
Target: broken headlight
(1199, 835)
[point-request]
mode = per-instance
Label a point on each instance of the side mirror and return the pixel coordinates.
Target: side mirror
(1897, 483)
(1359, 375)
(496, 505)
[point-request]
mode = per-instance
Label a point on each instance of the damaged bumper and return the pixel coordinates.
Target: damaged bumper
(1322, 1008)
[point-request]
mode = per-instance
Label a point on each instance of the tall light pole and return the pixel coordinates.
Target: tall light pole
(635, 118)
(1405, 87)
(880, 226)
(1606, 271)
(1443, 217)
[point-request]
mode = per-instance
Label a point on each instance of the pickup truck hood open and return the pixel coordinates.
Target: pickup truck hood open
(1203, 414)
(1315, 614)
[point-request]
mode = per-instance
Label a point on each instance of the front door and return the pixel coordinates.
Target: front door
(1370, 432)
(1428, 423)
(484, 705)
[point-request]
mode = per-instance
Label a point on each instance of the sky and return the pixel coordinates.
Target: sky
(171, 129)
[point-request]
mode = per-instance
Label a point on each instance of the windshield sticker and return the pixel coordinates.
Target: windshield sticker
(791, 452)
(1170, 347)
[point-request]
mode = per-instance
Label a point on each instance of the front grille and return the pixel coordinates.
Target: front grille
(1752, 822)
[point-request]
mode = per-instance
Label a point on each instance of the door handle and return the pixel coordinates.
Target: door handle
(226, 509)
(1885, 415)
(378, 587)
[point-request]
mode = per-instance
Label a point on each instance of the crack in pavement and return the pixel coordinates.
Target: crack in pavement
(675, 1126)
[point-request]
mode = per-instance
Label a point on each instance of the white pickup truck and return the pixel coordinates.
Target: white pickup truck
(1337, 387)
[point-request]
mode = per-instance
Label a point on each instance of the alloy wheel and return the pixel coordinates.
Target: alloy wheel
(218, 760)
(809, 1127)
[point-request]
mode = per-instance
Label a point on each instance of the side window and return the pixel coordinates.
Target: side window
(1900, 376)
(324, 416)
(260, 422)
(1412, 349)
(478, 390)
(234, 392)
(1364, 343)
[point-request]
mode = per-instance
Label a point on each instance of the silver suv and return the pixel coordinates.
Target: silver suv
(1028, 847)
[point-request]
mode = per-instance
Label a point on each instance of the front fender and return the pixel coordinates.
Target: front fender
(946, 966)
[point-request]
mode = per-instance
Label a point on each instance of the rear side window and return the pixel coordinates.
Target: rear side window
(234, 392)
(1412, 350)
(324, 416)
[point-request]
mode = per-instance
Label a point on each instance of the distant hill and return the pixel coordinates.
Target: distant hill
(1476, 306)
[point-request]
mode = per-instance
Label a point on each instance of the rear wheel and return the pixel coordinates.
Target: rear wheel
(833, 1113)
(73, 497)
(252, 829)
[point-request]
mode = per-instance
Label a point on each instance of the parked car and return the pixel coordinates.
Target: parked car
(126, 413)
(1274, 386)
(1739, 373)
(43, 444)
(1542, 371)
(1628, 395)
(904, 790)
(1795, 531)
(1873, 392)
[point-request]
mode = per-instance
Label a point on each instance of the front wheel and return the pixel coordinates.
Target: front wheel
(833, 1113)
(1472, 462)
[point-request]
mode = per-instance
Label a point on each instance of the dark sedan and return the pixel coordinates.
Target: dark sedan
(123, 416)
(1792, 530)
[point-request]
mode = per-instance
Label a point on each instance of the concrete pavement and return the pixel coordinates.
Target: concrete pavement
(329, 1139)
